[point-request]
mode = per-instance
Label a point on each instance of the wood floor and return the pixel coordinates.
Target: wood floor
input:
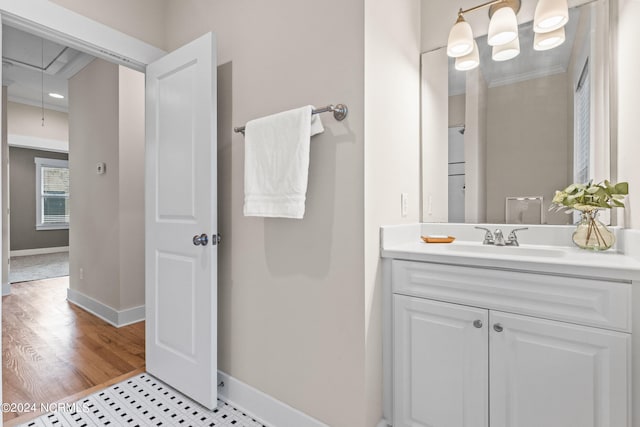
(52, 349)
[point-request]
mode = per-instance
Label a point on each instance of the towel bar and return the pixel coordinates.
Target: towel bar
(340, 112)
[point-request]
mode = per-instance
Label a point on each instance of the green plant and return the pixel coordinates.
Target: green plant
(590, 197)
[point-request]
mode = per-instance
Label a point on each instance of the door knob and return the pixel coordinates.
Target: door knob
(498, 327)
(477, 323)
(200, 240)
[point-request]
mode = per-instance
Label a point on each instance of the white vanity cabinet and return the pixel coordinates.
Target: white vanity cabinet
(440, 364)
(476, 347)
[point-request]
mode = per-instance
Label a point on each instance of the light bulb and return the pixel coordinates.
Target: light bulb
(546, 41)
(503, 27)
(550, 15)
(506, 51)
(469, 61)
(460, 39)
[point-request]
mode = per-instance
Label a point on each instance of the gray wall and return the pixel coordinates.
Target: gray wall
(527, 143)
(107, 236)
(22, 202)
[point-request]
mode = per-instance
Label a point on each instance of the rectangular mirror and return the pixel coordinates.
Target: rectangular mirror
(498, 140)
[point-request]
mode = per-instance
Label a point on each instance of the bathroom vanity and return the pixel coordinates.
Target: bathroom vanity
(529, 336)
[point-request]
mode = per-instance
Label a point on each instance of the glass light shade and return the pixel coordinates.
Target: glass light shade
(503, 27)
(546, 41)
(460, 39)
(469, 61)
(506, 51)
(550, 15)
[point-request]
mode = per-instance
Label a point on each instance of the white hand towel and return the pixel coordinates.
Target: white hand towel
(276, 163)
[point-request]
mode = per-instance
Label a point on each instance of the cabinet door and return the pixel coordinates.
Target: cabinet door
(555, 374)
(440, 364)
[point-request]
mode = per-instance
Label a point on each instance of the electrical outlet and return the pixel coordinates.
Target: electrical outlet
(404, 204)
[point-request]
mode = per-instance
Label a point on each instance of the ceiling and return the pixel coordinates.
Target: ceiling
(32, 66)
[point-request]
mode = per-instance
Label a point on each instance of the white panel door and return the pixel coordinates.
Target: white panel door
(181, 202)
(440, 364)
(555, 374)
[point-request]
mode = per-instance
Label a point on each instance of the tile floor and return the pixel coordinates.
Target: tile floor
(143, 401)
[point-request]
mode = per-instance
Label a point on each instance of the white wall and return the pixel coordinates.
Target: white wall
(628, 62)
(143, 19)
(104, 210)
(475, 148)
(93, 137)
(131, 112)
(26, 120)
(392, 155)
(4, 181)
(291, 292)
(456, 110)
(435, 136)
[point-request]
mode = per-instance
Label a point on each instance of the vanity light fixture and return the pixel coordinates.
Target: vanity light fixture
(470, 60)
(503, 27)
(550, 19)
(460, 38)
(550, 15)
(56, 95)
(546, 41)
(506, 51)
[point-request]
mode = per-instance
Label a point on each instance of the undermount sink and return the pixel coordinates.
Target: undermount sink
(505, 250)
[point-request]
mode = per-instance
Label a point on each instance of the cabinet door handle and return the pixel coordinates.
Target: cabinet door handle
(477, 323)
(498, 327)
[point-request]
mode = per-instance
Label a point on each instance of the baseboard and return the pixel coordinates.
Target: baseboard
(104, 312)
(6, 289)
(39, 251)
(263, 407)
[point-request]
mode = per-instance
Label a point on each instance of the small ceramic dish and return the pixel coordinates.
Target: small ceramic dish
(438, 239)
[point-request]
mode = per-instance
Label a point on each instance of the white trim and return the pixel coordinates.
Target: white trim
(262, 406)
(47, 105)
(56, 163)
(6, 289)
(108, 314)
(49, 20)
(40, 163)
(35, 143)
(39, 251)
(56, 226)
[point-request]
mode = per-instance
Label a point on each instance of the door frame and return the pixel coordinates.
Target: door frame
(55, 23)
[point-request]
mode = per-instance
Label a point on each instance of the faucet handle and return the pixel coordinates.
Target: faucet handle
(513, 237)
(488, 236)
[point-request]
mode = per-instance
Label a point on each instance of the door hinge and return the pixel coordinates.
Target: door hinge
(216, 239)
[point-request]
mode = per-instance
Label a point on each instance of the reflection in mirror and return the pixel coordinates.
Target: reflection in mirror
(500, 139)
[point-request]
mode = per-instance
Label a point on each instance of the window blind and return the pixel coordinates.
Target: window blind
(55, 195)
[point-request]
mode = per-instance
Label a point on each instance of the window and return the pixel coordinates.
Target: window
(52, 194)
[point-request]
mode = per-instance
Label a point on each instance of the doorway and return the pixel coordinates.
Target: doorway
(60, 340)
(185, 279)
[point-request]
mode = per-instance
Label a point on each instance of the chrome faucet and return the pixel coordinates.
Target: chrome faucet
(497, 237)
(512, 239)
(488, 237)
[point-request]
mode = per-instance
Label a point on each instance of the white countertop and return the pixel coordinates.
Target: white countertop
(403, 242)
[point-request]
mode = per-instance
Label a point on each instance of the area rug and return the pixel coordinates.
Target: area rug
(38, 267)
(143, 401)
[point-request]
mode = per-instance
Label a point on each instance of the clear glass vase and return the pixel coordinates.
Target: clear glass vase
(592, 234)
